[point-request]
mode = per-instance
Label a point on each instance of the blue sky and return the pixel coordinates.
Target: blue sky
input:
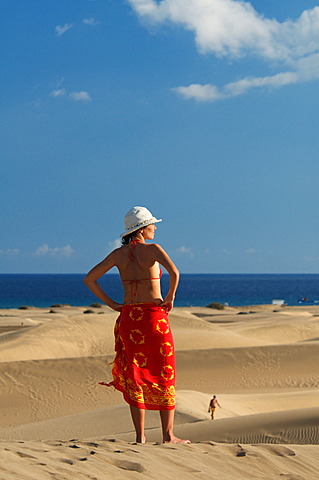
(204, 111)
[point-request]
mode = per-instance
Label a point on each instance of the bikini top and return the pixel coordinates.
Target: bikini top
(134, 283)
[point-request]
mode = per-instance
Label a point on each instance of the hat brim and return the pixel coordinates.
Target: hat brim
(144, 224)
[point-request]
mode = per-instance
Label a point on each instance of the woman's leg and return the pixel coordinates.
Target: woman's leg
(167, 419)
(138, 418)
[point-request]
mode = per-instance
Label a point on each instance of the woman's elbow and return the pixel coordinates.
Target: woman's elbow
(175, 273)
(87, 280)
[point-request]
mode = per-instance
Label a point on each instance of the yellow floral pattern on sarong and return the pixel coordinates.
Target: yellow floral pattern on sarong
(162, 326)
(136, 314)
(167, 372)
(167, 349)
(140, 360)
(137, 337)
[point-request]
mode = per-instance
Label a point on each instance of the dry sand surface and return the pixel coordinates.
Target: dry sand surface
(262, 362)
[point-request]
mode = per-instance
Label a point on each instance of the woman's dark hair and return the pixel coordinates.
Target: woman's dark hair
(127, 238)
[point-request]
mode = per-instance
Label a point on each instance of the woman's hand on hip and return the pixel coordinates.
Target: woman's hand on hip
(167, 303)
(116, 306)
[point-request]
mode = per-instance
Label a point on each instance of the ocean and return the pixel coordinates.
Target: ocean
(44, 290)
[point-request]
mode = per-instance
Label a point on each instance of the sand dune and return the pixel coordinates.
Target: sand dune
(291, 427)
(69, 333)
(39, 389)
(237, 369)
(59, 335)
(262, 362)
(247, 414)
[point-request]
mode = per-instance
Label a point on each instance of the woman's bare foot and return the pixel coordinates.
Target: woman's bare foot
(167, 419)
(176, 440)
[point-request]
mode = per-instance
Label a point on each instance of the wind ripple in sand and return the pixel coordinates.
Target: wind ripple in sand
(285, 427)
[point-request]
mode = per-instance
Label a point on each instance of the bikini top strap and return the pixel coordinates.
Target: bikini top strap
(131, 256)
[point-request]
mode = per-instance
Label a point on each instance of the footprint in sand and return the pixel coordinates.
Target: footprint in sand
(129, 466)
(91, 444)
(237, 450)
(25, 455)
(279, 451)
(243, 452)
(66, 460)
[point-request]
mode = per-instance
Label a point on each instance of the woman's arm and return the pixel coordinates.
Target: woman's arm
(162, 258)
(91, 281)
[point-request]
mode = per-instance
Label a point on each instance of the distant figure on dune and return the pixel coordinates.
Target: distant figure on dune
(144, 365)
(212, 406)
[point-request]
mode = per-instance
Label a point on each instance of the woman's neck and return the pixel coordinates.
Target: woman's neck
(138, 240)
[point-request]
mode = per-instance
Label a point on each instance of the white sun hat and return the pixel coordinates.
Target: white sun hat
(137, 218)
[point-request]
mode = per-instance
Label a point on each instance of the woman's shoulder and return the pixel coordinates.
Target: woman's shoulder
(118, 252)
(154, 247)
(158, 247)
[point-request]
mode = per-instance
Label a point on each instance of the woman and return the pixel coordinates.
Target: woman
(144, 366)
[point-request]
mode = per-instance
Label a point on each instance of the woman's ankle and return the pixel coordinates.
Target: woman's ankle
(140, 439)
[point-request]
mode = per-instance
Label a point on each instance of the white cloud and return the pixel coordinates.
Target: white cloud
(44, 250)
(90, 21)
(80, 96)
(250, 251)
(76, 96)
(234, 29)
(61, 29)
(58, 92)
(10, 252)
(204, 93)
(115, 244)
(185, 251)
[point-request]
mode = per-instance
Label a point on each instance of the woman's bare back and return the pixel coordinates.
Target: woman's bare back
(140, 273)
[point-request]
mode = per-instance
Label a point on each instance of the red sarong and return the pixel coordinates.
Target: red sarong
(144, 365)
